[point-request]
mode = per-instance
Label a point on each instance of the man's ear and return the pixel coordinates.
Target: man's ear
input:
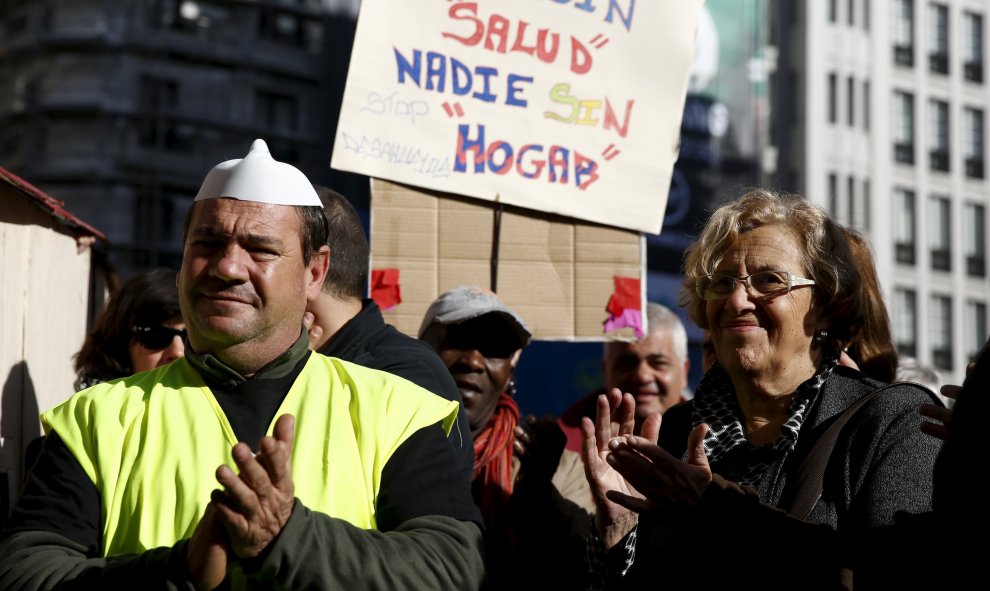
(515, 358)
(316, 272)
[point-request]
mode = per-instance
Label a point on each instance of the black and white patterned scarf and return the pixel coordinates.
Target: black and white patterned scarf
(715, 403)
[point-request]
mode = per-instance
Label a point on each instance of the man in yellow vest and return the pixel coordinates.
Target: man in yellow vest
(331, 475)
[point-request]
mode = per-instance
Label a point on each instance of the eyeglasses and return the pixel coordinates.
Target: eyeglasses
(718, 286)
(156, 338)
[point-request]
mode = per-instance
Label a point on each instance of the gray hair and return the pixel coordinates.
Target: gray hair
(660, 317)
(821, 243)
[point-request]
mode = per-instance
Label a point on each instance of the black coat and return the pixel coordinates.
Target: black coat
(368, 341)
(881, 465)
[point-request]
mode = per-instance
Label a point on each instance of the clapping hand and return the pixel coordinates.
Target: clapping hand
(255, 504)
(663, 481)
(615, 419)
(207, 555)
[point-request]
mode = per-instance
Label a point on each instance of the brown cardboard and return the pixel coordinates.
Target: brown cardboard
(555, 272)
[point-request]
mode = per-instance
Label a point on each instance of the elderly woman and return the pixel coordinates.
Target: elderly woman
(532, 492)
(772, 279)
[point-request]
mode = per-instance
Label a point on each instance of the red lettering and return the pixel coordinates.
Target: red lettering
(584, 166)
(611, 122)
(498, 26)
(539, 164)
(470, 10)
(506, 150)
(544, 54)
(500, 158)
(580, 57)
(520, 35)
(558, 157)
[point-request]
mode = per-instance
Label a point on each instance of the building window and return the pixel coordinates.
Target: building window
(867, 220)
(939, 233)
(851, 12)
(833, 11)
(851, 202)
(866, 15)
(903, 111)
(154, 221)
(904, 32)
(792, 115)
(904, 226)
(905, 322)
(972, 48)
(973, 146)
(938, 38)
(159, 97)
(941, 316)
(15, 24)
(975, 327)
(276, 111)
(281, 26)
(938, 140)
(833, 107)
(975, 239)
(850, 101)
(288, 25)
(866, 105)
(833, 195)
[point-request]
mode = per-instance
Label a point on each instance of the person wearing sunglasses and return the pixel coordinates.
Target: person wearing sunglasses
(771, 277)
(140, 329)
(531, 491)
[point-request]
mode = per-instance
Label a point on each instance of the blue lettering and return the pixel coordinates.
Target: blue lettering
(486, 74)
(436, 68)
(627, 16)
(460, 77)
(405, 68)
(513, 90)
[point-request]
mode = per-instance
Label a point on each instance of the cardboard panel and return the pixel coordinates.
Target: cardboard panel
(556, 272)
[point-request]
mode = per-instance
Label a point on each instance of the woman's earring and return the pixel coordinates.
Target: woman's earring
(820, 335)
(511, 388)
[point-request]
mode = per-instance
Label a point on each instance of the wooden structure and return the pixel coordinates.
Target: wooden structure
(49, 291)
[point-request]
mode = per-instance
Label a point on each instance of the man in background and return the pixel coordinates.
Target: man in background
(345, 326)
(653, 369)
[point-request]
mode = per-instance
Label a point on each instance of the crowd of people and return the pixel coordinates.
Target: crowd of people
(252, 422)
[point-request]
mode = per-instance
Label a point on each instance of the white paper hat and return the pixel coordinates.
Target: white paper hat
(259, 177)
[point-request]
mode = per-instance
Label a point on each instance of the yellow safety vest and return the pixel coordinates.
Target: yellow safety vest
(151, 443)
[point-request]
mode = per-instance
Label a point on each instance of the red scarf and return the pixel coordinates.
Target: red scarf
(493, 461)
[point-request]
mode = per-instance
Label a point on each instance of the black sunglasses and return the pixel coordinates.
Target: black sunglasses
(156, 337)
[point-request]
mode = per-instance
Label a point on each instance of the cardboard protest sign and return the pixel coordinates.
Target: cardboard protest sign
(563, 106)
(557, 273)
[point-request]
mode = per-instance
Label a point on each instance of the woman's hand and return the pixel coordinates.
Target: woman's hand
(539, 444)
(939, 413)
(615, 419)
(664, 481)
